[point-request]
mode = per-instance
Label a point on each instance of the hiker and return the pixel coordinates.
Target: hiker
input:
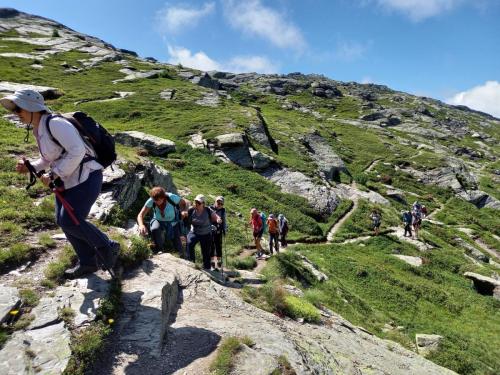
(168, 211)
(283, 229)
(201, 218)
(70, 163)
(424, 211)
(376, 221)
(218, 230)
(407, 222)
(417, 221)
(258, 230)
(273, 228)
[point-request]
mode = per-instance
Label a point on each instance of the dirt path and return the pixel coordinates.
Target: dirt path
(338, 224)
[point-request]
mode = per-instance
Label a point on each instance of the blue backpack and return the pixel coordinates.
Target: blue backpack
(264, 222)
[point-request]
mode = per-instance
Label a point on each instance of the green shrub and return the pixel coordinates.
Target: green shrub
(55, 270)
(247, 263)
(29, 297)
(138, 251)
(224, 361)
(46, 241)
(296, 307)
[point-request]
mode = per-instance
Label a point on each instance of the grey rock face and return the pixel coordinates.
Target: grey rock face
(427, 344)
(320, 276)
(260, 161)
(259, 132)
(206, 81)
(321, 197)
(480, 199)
(329, 163)
(154, 145)
(234, 148)
(167, 94)
(210, 99)
(206, 313)
(9, 300)
(471, 250)
(133, 75)
(325, 89)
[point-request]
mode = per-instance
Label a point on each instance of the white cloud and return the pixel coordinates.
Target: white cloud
(199, 60)
(418, 10)
(485, 98)
(176, 18)
(256, 19)
(244, 64)
(367, 79)
(238, 64)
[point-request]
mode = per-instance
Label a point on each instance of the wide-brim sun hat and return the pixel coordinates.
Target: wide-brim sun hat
(29, 100)
(200, 198)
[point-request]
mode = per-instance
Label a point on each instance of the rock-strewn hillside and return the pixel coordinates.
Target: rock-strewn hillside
(323, 152)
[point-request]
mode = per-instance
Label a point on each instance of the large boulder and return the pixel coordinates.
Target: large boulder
(154, 145)
(426, 344)
(234, 147)
(471, 250)
(260, 161)
(485, 285)
(47, 92)
(480, 199)
(330, 165)
(321, 197)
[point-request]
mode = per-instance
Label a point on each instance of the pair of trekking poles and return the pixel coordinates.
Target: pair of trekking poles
(57, 187)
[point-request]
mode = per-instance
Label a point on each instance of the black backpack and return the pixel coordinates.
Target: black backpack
(94, 134)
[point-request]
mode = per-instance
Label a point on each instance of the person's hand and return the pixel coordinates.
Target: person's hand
(219, 221)
(46, 179)
(143, 230)
(21, 167)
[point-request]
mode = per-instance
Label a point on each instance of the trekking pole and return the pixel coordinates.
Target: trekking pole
(57, 187)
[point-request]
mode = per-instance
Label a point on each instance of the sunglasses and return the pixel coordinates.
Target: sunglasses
(197, 202)
(220, 202)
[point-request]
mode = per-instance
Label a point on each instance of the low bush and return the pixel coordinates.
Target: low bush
(296, 308)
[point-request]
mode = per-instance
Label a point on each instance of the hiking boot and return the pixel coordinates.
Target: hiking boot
(107, 256)
(79, 270)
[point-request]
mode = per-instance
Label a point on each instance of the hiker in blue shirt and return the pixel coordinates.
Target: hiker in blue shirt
(407, 221)
(168, 212)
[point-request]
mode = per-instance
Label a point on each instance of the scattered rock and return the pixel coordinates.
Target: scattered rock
(320, 276)
(427, 344)
(412, 261)
(210, 99)
(234, 148)
(155, 145)
(48, 93)
(168, 94)
(260, 161)
(471, 250)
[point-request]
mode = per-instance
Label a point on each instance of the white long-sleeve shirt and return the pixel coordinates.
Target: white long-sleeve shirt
(63, 161)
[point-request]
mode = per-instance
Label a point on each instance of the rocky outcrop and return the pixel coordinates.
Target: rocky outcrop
(352, 193)
(132, 75)
(44, 347)
(209, 99)
(168, 94)
(234, 148)
(206, 313)
(121, 188)
(485, 285)
(330, 165)
(48, 93)
(258, 131)
(321, 197)
(154, 145)
(471, 250)
(480, 199)
(313, 269)
(260, 161)
(325, 89)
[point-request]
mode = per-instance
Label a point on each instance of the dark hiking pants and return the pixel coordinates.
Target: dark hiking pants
(205, 241)
(408, 229)
(216, 245)
(162, 230)
(273, 240)
(85, 238)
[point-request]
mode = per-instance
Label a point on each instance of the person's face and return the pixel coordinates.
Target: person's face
(160, 201)
(198, 204)
(24, 115)
(219, 203)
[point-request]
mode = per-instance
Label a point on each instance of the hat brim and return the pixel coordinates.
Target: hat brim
(11, 101)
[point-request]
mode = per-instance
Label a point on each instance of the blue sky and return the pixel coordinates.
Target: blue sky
(446, 49)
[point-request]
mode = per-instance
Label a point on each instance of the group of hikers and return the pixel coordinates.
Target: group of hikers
(411, 218)
(276, 227)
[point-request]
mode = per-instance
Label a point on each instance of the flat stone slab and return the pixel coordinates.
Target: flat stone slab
(484, 285)
(412, 261)
(41, 351)
(11, 87)
(154, 145)
(9, 299)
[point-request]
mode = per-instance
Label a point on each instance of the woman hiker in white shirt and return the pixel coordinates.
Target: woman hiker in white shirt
(82, 179)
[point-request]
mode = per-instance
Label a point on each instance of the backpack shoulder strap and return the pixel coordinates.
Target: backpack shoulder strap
(169, 200)
(47, 125)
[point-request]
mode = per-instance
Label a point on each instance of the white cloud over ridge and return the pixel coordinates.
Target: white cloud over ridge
(418, 10)
(253, 18)
(484, 98)
(349, 51)
(173, 19)
(238, 64)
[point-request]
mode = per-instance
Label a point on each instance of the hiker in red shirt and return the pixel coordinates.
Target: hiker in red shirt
(258, 229)
(273, 228)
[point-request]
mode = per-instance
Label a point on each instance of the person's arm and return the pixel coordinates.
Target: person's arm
(140, 220)
(214, 217)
